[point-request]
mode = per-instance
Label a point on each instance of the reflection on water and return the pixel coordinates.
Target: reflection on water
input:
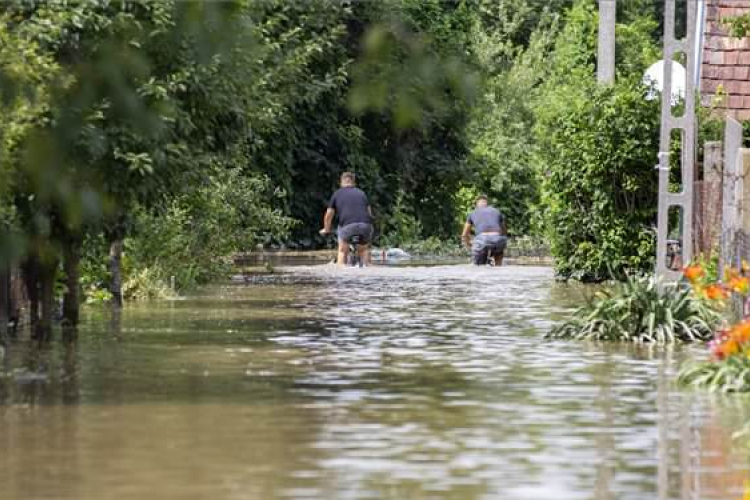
(358, 384)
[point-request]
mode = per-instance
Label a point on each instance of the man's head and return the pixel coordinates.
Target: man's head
(348, 179)
(482, 201)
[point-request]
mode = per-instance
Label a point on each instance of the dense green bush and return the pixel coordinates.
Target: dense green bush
(641, 310)
(193, 236)
(600, 187)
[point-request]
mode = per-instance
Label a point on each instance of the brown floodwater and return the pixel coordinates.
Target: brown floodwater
(388, 383)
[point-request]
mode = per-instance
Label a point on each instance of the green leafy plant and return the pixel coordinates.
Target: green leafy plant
(97, 295)
(731, 375)
(402, 228)
(739, 26)
(599, 189)
(146, 284)
(193, 236)
(642, 309)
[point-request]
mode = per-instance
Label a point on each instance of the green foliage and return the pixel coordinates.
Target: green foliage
(528, 246)
(192, 237)
(411, 62)
(731, 375)
(402, 67)
(600, 187)
(710, 266)
(464, 201)
(739, 26)
(197, 129)
(641, 310)
(503, 149)
(435, 247)
(402, 228)
(96, 295)
(145, 284)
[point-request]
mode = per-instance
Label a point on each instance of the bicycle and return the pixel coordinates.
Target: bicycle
(353, 259)
(490, 258)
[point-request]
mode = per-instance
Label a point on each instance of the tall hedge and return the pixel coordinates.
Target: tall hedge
(600, 188)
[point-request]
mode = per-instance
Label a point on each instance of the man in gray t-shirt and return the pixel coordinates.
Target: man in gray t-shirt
(490, 233)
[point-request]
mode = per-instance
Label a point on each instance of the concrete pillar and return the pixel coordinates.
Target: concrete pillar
(687, 125)
(711, 199)
(743, 158)
(733, 190)
(605, 65)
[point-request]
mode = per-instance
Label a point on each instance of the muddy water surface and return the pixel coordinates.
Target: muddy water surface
(362, 384)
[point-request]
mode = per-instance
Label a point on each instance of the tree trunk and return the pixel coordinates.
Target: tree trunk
(71, 265)
(115, 268)
(48, 275)
(4, 302)
(30, 273)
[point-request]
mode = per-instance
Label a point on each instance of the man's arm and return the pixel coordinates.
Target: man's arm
(466, 235)
(328, 221)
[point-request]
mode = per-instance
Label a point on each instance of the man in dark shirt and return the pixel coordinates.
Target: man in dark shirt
(354, 216)
(490, 233)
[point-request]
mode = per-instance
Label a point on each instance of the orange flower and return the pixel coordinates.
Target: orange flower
(741, 332)
(693, 273)
(730, 347)
(739, 284)
(726, 349)
(715, 292)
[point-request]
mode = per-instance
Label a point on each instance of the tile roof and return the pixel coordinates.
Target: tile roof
(726, 60)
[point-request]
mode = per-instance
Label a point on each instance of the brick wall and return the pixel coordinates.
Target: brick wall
(726, 60)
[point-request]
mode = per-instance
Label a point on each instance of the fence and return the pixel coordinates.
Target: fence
(735, 221)
(722, 200)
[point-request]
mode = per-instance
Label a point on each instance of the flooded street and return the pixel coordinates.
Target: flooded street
(387, 383)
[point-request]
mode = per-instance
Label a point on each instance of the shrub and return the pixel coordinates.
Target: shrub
(402, 228)
(642, 309)
(191, 237)
(600, 190)
(146, 284)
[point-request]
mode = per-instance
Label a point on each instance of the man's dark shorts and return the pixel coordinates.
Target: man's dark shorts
(486, 244)
(361, 229)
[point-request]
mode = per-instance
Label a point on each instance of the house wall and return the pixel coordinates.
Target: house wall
(726, 60)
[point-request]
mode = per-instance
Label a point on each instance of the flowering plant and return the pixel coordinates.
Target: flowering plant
(733, 339)
(729, 366)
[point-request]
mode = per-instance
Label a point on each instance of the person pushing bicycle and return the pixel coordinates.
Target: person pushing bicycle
(354, 213)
